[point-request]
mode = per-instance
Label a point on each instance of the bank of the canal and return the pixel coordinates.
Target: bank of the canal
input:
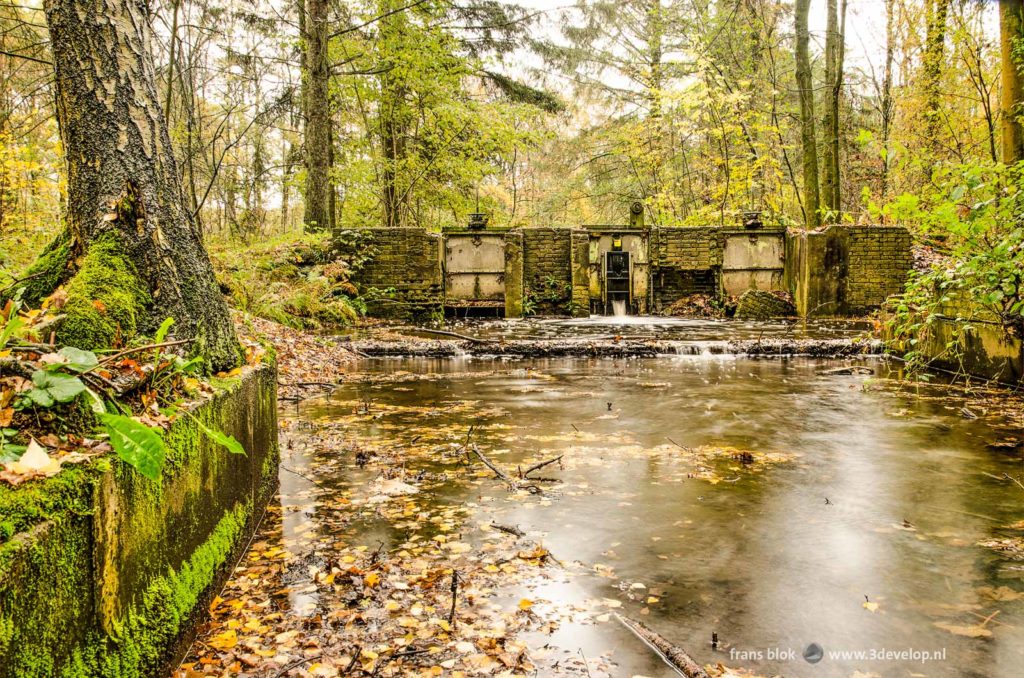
(770, 502)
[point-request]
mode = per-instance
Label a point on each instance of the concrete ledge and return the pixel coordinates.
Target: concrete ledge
(103, 571)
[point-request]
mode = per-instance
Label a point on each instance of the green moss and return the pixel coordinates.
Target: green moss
(106, 299)
(48, 271)
(67, 493)
(167, 604)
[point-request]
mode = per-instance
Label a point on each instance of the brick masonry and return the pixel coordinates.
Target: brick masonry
(685, 261)
(547, 269)
(879, 261)
(402, 275)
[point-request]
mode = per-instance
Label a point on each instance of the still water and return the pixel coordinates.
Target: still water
(863, 536)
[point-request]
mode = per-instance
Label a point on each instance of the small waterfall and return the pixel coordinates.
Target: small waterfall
(619, 308)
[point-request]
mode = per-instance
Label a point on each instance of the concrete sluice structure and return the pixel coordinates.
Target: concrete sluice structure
(504, 272)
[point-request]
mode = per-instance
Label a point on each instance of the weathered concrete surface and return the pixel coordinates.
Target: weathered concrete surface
(847, 270)
(610, 348)
(106, 570)
(969, 340)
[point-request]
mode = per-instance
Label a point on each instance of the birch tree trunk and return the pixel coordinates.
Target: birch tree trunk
(130, 254)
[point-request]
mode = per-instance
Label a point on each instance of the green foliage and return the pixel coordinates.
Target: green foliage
(50, 388)
(136, 444)
(300, 282)
(974, 217)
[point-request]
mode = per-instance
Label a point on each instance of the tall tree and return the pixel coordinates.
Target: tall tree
(319, 213)
(835, 49)
(1011, 41)
(887, 102)
(808, 135)
(934, 56)
(130, 252)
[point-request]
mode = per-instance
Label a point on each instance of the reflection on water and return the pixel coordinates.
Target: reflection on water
(884, 504)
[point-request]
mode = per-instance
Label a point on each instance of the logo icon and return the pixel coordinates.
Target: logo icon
(813, 653)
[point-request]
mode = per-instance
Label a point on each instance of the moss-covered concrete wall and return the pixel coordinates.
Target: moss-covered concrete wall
(402, 275)
(102, 571)
(547, 270)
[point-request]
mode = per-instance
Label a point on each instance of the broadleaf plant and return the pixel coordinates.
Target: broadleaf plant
(138, 445)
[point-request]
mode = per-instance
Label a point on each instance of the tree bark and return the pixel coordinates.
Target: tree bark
(935, 47)
(316, 80)
(887, 102)
(1011, 30)
(808, 135)
(122, 182)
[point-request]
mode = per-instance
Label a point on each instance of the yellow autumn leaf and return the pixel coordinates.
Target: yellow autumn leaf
(525, 604)
(372, 579)
(869, 606)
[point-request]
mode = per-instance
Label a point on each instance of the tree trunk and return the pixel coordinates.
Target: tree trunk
(1011, 30)
(935, 47)
(887, 103)
(316, 79)
(131, 254)
(808, 135)
(829, 178)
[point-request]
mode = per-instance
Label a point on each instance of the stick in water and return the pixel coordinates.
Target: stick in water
(673, 655)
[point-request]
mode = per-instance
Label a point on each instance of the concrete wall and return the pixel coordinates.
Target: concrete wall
(102, 570)
(847, 270)
(547, 269)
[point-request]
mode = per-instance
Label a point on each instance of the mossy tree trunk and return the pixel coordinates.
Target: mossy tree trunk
(131, 254)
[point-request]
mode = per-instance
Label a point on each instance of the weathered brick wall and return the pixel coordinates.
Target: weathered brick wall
(686, 261)
(401, 276)
(547, 269)
(879, 260)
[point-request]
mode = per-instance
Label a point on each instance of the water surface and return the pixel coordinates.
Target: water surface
(861, 535)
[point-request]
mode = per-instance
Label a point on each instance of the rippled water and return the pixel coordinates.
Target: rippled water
(884, 501)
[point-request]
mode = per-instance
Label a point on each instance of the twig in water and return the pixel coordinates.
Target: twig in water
(673, 655)
(510, 529)
(455, 596)
(304, 477)
(537, 467)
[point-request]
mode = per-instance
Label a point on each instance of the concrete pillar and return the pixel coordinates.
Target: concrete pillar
(579, 254)
(514, 274)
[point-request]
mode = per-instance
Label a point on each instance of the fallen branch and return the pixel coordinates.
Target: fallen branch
(490, 464)
(673, 655)
(537, 467)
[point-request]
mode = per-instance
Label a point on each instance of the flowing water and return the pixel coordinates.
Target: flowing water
(862, 533)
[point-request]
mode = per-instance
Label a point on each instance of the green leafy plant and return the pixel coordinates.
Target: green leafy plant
(140, 446)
